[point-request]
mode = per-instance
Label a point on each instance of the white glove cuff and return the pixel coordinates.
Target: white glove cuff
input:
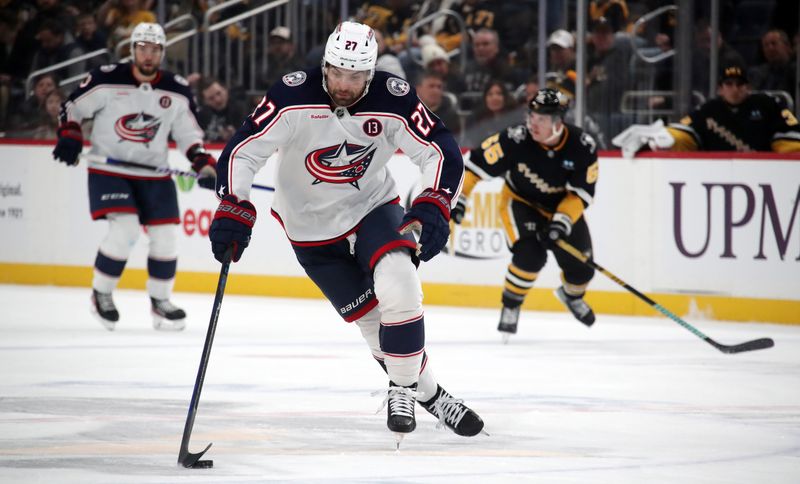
(564, 220)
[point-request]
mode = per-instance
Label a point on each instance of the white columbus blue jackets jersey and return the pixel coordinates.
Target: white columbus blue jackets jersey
(332, 163)
(134, 121)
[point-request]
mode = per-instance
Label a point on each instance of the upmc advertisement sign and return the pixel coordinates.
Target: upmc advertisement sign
(737, 220)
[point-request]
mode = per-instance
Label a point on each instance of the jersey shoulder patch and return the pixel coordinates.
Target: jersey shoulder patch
(580, 145)
(298, 88)
(589, 142)
(517, 133)
(174, 83)
(108, 67)
(397, 86)
(181, 80)
(294, 79)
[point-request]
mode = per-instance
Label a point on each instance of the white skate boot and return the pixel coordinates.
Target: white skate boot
(167, 316)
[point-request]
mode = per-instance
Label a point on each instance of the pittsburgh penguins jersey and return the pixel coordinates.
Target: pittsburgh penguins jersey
(331, 167)
(560, 178)
(134, 121)
(758, 124)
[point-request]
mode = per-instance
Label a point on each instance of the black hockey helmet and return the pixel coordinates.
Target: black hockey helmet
(549, 101)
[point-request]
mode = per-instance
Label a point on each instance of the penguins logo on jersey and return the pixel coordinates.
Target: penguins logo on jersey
(344, 163)
(137, 127)
(517, 133)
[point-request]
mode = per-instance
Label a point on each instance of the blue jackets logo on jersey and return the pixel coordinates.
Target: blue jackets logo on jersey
(397, 86)
(138, 128)
(344, 163)
(294, 79)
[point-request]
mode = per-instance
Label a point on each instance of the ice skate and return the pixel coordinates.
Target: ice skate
(453, 414)
(509, 318)
(104, 309)
(167, 316)
(399, 404)
(577, 306)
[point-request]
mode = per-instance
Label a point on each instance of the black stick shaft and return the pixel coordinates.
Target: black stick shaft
(747, 346)
(186, 458)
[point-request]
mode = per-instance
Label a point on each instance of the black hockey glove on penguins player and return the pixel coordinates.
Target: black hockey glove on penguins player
(204, 165)
(429, 214)
(70, 143)
(560, 227)
(232, 225)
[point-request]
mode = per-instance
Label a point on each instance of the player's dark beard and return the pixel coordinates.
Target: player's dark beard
(147, 70)
(344, 98)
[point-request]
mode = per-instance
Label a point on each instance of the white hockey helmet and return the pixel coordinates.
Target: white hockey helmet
(351, 46)
(148, 32)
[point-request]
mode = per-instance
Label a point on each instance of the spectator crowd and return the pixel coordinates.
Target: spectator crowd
(477, 79)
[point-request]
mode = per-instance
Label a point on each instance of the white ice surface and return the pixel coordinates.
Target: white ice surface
(287, 397)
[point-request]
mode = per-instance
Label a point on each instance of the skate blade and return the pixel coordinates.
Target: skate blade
(398, 437)
(109, 325)
(505, 337)
(163, 324)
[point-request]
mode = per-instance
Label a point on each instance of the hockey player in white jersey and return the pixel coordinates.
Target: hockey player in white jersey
(136, 107)
(335, 128)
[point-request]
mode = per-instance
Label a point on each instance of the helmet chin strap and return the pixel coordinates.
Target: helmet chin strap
(556, 134)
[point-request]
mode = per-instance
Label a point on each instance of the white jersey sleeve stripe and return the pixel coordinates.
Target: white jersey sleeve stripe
(583, 194)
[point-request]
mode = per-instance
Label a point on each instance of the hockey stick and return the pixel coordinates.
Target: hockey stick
(756, 344)
(166, 171)
(185, 458)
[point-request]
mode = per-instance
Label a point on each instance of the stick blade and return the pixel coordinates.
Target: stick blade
(189, 460)
(756, 344)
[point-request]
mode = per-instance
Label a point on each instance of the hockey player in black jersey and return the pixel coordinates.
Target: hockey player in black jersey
(736, 120)
(136, 108)
(550, 171)
(335, 128)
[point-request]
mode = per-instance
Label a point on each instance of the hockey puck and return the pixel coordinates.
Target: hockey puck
(203, 464)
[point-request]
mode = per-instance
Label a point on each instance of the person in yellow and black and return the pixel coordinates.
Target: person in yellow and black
(550, 170)
(736, 120)
(476, 14)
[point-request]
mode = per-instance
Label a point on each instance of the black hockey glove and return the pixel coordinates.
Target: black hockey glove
(231, 227)
(70, 143)
(457, 215)
(560, 227)
(430, 215)
(204, 165)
